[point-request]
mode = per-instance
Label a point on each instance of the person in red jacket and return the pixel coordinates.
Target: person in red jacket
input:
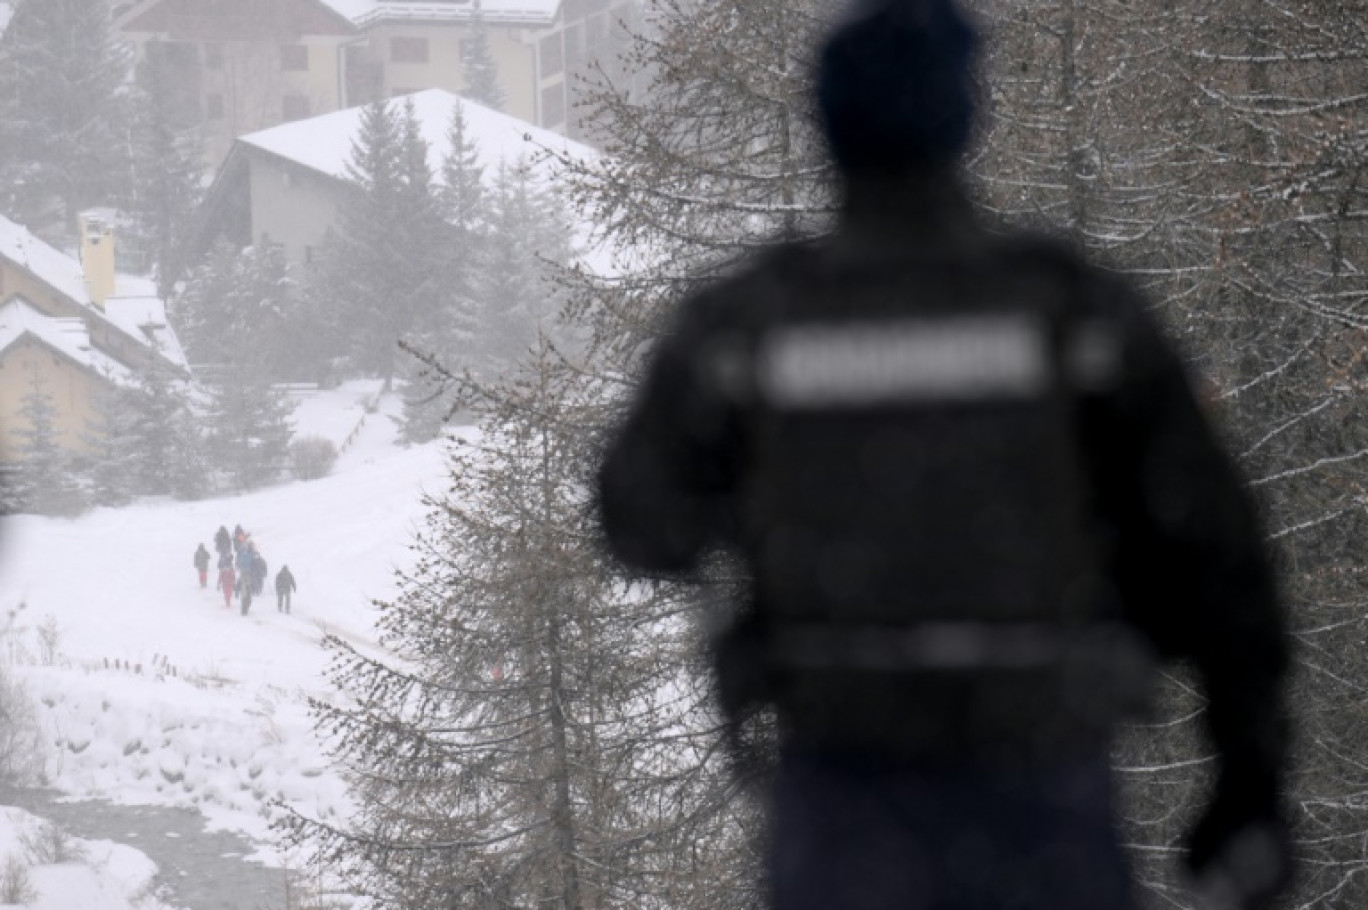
(226, 578)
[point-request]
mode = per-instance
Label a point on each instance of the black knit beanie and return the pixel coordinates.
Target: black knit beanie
(895, 85)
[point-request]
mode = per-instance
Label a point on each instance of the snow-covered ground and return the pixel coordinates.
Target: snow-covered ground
(92, 875)
(151, 691)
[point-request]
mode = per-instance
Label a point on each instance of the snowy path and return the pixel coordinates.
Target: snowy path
(152, 695)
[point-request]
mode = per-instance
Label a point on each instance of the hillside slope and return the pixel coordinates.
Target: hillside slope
(149, 690)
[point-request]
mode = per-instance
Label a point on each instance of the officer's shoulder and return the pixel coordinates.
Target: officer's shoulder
(1099, 287)
(1040, 250)
(736, 291)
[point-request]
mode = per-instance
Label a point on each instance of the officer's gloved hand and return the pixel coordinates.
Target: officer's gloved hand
(1239, 855)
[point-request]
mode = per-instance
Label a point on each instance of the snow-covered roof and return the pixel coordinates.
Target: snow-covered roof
(134, 286)
(135, 298)
(324, 143)
(145, 318)
(502, 12)
(67, 336)
(49, 265)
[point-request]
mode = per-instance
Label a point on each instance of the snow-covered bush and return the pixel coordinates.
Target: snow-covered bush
(16, 887)
(21, 740)
(49, 845)
(312, 457)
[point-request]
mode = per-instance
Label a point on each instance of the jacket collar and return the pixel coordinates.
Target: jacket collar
(929, 210)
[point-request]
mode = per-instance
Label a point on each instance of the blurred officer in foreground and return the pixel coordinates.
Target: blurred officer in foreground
(974, 495)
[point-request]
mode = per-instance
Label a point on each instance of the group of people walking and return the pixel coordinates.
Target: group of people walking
(242, 570)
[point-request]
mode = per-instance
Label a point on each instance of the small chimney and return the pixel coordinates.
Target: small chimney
(97, 254)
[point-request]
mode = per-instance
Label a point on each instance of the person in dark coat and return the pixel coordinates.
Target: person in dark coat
(223, 543)
(974, 494)
(284, 586)
(202, 565)
(259, 571)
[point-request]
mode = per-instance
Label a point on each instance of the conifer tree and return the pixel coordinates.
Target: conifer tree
(108, 436)
(462, 191)
(427, 301)
(245, 322)
(203, 322)
(384, 269)
(528, 742)
(243, 310)
(168, 167)
(529, 231)
(545, 735)
(358, 262)
(452, 335)
(479, 69)
(63, 103)
(44, 484)
(713, 156)
(1194, 144)
(249, 429)
(164, 453)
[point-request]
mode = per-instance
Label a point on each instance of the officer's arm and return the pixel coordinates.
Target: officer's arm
(666, 481)
(1197, 578)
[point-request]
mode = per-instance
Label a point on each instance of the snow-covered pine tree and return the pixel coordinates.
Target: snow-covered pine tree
(529, 231)
(451, 336)
(462, 190)
(108, 461)
(1214, 150)
(479, 70)
(354, 276)
(164, 454)
(383, 271)
(527, 739)
(202, 322)
(712, 157)
(428, 299)
(63, 113)
(249, 429)
(45, 483)
(244, 327)
(168, 164)
(243, 310)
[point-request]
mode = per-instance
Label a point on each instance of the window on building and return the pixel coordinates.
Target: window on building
(213, 56)
(294, 57)
(553, 105)
(408, 50)
(552, 55)
(213, 106)
(294, 107)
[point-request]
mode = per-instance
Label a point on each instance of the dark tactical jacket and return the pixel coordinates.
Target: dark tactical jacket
(885, 505)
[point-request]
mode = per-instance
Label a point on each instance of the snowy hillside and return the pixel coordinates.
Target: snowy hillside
(149, 689)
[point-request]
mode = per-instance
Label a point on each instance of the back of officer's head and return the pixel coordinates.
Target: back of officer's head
(895, 85)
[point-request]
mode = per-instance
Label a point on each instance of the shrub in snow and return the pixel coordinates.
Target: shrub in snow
(15, 885)
(49, 845)
(21, 740)
(312, 457)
